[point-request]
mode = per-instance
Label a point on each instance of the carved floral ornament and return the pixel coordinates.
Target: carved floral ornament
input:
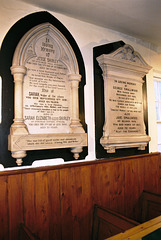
(123, 72)
(44, 61)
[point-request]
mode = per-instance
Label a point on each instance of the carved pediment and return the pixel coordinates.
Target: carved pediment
(126, 58)
(61, 48)
(127, 53)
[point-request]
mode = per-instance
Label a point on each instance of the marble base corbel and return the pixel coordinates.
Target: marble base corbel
(76, 128)
(76, 151)
(110, 144)
(18, 154)
(19, 144)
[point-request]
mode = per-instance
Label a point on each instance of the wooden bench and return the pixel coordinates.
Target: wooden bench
(150, 206)
(107, 223)
(146, 231)
(26, 234)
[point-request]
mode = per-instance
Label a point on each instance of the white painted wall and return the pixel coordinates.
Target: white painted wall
(88, 36)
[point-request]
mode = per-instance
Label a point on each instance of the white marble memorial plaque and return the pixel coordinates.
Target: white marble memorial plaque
(46, 77)
(47, 91)
(126, 107)
(123, 73)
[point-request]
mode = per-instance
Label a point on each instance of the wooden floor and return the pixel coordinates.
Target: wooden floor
(57, 202)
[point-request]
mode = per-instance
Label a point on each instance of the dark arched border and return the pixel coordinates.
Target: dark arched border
(9, 44)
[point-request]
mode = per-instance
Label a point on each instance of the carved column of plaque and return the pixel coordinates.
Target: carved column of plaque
(75, 124)
(18, 127)
(46, 76)
(123, 72)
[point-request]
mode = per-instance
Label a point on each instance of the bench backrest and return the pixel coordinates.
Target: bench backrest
(150, 206)
(107, 223)
(26, 234)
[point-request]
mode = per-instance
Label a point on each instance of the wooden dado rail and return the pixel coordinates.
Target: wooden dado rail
(57, 202)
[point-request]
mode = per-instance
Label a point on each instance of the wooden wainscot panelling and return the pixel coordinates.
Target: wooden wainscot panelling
(134, 185)
(108, 185)
(151, 170)
(76, 202)
(28, 191)
(4, 220)
(54, 204)
(15, 209)
(57, 202)
(41, 203)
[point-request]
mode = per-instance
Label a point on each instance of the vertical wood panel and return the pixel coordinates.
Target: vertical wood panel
(42, 205)
(86, 204)
(117, 185)
(151, 174)
(76, 189)
(131, 186)
(3, 208)
(141, 172)
(107, 183)
(96, 179)
(76, 201)
(29, 208)
(54, 205)
(14, 205)
(66, 193)
(139, 188)
(156, 161)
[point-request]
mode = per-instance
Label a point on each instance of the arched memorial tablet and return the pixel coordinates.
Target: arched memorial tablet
(46, 102)
(123, 72)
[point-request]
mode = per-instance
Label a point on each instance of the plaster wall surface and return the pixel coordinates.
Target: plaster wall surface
(87, 37)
